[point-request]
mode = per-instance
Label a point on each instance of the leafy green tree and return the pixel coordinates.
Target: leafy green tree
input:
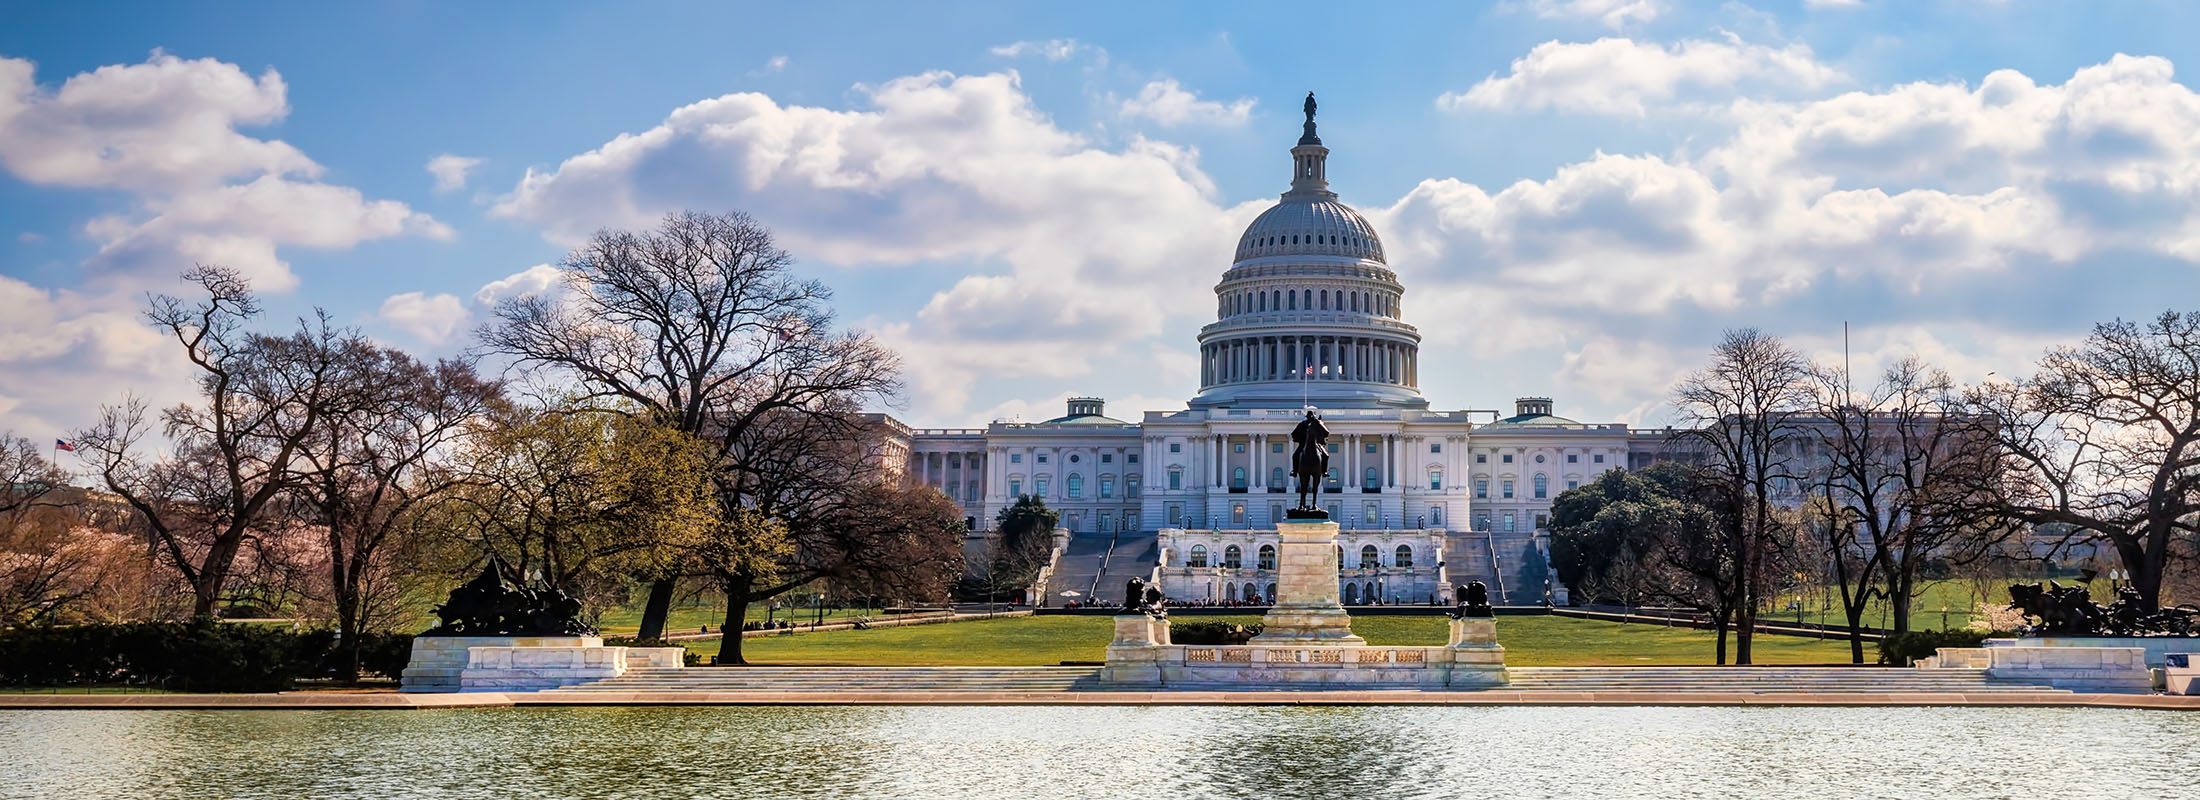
(1025, 537)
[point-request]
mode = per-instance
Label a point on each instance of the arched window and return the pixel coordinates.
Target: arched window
(1405, 556)
(1309, 295)
(1542, 485)
(1294, 301)
(1372, 480)
(1198, 557)
(1267, 559)
(1355, 301)
(1237, 478)
(1232, 557)
(1271, 595)
(1332, 479)
(1251, 594)
(1275, 477)
(1076, 485)
(1275, 300)
(1263, 303)
(1369, 559)
(1230, 592)
(1040, 487)
(1325, 300)
(1369, 596)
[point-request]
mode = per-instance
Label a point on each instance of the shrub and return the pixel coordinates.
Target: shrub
(1901, 649)
(203, 657)
(1212, 633)
(385, 654)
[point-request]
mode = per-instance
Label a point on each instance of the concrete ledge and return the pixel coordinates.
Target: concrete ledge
(396, 701)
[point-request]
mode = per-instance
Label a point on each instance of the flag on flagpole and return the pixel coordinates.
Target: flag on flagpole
(63, 444)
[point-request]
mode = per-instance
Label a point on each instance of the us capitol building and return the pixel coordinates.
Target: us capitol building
(1309, 313)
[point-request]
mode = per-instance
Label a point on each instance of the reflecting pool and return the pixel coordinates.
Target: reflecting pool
(1111, 752)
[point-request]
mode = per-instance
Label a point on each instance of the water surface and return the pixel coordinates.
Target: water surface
(1109, 752)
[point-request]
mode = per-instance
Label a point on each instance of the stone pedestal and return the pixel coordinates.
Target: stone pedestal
(1476, 657)
(516, 663)
(1307, 610)
(1134, 657)
(2079, 669)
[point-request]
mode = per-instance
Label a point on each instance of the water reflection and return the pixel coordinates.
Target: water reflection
(1164, 752)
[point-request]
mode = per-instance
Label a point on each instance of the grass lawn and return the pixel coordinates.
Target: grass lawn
(1957, 598)
(689, 619)
(1530, 641)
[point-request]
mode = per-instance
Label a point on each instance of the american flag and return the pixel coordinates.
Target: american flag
(63, 444)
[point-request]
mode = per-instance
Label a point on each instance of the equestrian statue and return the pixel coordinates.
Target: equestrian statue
(1309, 464)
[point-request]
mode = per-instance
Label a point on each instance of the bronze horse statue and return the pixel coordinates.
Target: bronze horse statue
(1309, 458)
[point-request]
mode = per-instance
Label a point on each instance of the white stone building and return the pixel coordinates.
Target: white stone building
(1309, 313)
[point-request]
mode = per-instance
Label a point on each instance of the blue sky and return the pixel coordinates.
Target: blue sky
(1034, 200)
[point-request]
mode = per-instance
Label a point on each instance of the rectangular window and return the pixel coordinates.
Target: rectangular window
(1041, 485)
(1275, 514)
(1435, 447)
(1176, 447)
(1482, 488)
(1176, 515)
(1176, 480)
(1015, 458)
(1507, 487)
(1511, 523)
(1131, 458)
(1370, 447)
(1015, 488)
(1573, 458)
(1599, 458)
(1042, 458)
(1238, 447)
(1371, 514)
(1107, 458)
(1275, 448)
(1542, 521)
(1508, 458)
(1481, 522)
(1573, 484)
(1481, 458)
(1237, 513)
(1436, 480)
(1107, 488)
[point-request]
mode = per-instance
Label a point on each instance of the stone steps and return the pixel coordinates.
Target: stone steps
(1815, 680)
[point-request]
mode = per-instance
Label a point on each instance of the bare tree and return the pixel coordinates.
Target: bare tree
(378, 461)
(260, 399)
(700, 325)
(2103, 442)
(1891, 486)
(1745, 407)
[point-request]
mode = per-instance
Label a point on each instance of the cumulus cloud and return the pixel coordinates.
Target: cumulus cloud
(430, 318)
(1611, 13)
(451, 171)
(1081, 245)
(1166, 102)
(1833, 3)
(165, 134)
(525, 283)
(1624, 76)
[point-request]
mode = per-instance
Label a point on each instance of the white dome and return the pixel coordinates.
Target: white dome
(1310, 225)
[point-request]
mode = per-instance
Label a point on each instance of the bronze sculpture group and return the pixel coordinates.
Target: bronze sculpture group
(1140, 597)
(2070, 611)
(499, 603)
(1473, 601)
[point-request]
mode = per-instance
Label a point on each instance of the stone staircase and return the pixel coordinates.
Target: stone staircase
(1809, 680)
(1743, 680)
(847, 679)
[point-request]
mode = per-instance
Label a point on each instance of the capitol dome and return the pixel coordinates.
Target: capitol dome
(1309, 310)
(1310, 225)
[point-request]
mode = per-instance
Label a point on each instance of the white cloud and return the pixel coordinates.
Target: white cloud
(1166, 102)
(164, 134)
(1611, 13)
(776, 64)
(1054, 50)
(1624, 76)
(451, 171)
(30, 237)
(524, 283)
(430, 318)
(1833, 3)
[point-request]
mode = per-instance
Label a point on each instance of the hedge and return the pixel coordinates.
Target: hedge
(1901, 649)
(200, 657)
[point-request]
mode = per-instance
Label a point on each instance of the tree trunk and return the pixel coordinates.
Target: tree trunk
(659, 607)
(1745, 624)
(1855, 612)
(737, 608)
(1718, 623)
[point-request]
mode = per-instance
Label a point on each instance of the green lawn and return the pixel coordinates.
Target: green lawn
(1532, 641)
(690, 619)
(1956, 598)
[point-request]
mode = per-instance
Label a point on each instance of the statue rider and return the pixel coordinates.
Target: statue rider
(1309, 458)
